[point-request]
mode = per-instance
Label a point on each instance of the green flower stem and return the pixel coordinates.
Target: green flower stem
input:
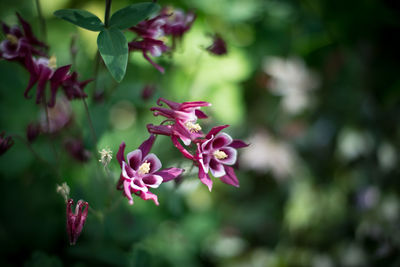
(42, 21)
(107, 13)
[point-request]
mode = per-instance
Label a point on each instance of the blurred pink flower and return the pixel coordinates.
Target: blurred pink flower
(5, 143)
(76, 221)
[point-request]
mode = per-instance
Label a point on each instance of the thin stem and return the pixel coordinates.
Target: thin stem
(41, 20)
(90, 122)
(107, 13)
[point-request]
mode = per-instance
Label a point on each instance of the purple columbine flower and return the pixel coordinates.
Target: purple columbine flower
(141, 171)
(59, 116)
(19, 43)
(217, 153)
(73, 88)
(151, 28)
(77, 150)
(76, 221)
(177, 23)
(152, 46)
(43, 70)
(183, 117)
(5, 143)
(218, 47)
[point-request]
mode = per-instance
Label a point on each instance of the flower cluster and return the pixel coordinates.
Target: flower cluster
(23, 47)
(151, 32)
(215, 152)
(141, 171)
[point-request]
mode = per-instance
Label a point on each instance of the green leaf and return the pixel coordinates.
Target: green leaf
(81, 18)
(113, 48)
(133, 14)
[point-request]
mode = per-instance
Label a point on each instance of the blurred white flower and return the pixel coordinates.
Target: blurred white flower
(268, 154)
(387, 156)
(291, 79)
(353, 143)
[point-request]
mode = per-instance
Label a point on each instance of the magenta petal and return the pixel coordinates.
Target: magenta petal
(152, 180)
(194, 104)
(230, 177)
(127, 172)
(236, 143)
(171, 104)
(134, 159)
(169, 113)
(221, 140)
(158, 67)
(160, 129)
(127, 191)
(232, 155)
(204, 178)
(137, 184)
(215, 130)
(44, 76)
(178, 145)
(216, 168)
(200, 114)
(120, 153)
(148, 195)
(155, 163)
(169, 173)
(146, 146)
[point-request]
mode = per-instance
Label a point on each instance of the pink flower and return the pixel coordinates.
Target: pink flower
(141, 171)
(183, 117)
(217, 153)
(19, 43)
(76, 221)
(43, 70)
(178, 23)
(151, 28)
(152, 46)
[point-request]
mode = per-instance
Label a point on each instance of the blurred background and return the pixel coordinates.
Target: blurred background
(312, 85)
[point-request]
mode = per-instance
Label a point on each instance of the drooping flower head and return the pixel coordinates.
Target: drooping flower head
(141, 171)
(218, 47)
(19, 43)
(183, 117)
(76, 149)
(5, 143)
(43, 70)
(32, 131)
(76, 221)
(178, 23)
(59, 116)
(216, 153)
(152, 46)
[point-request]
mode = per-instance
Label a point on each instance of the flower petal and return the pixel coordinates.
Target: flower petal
(230, 177)
(169, 173)
(236, 143)
(127, 191)
(148, 195)
(155, 163)
(146, 146)
(231, 156)
(134, 159)
(127, 172)
(152, 180)
(178, 145)
(137, 184)
(204, 178)
(217, 169)
(120, 153)
(200, 114)
(215, 130)
(221, 140)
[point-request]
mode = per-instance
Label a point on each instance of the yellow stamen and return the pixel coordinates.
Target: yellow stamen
(218, 154)
(144, 168)
(52, 62)
(193, 127)
(12, 38)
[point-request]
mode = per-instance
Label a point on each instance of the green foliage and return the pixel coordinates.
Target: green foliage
(131, 15)
(113, 48)
(81, 18)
